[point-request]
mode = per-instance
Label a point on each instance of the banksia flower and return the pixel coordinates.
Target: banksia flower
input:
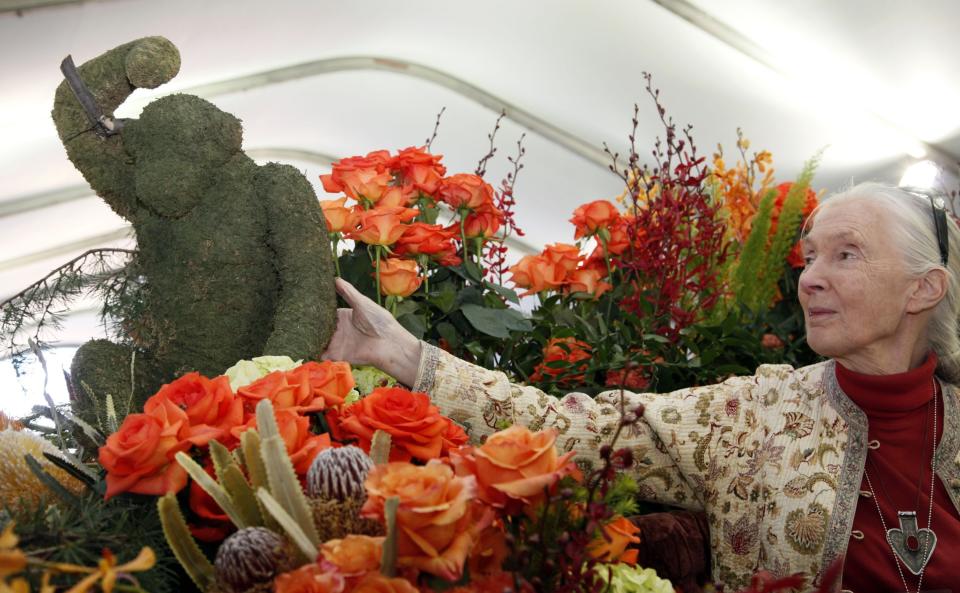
(251, 557)
(18, 484)
(338, 474)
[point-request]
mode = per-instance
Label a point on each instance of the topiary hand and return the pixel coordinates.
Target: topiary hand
(368, 334)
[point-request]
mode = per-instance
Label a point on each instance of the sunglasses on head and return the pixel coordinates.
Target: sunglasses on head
(939, 208)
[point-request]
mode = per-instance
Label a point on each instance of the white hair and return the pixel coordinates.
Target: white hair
(914, 232)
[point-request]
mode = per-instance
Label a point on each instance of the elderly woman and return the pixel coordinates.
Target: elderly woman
(855, 458)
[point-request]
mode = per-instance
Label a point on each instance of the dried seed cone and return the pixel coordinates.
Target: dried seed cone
(336, 519)
(249, 558)
(338, 474)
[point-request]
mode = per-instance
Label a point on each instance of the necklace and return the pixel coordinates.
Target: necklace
(912, 546)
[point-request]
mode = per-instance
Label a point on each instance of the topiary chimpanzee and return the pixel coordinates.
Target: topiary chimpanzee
(234, 256)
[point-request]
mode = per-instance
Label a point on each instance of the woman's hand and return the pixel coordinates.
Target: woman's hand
(368, 334)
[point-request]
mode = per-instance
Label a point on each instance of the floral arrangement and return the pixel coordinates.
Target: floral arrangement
(685, 278)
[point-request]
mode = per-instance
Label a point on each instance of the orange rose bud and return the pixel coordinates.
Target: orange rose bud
(415, 425)
(382, 226)
(310, 578)
(354, 555)
(418, 169)
(339, 218)
(514, 467)
(593, 216)
(565, 256)
(588, 280)
(139, 456)
(536, 273)
(611, 545)
(466, 191)
(377, 583)
(619, 238)
(399, 277)
(211, 408)
(437, 522)
(483, 223)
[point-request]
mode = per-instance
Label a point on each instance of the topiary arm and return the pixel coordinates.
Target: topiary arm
(307, 307)
(111, 77)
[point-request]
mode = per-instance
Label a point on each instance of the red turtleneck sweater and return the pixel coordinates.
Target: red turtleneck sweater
(897, 408)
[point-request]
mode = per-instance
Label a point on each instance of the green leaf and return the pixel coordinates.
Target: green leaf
(473, 271)
(503, 291)
(445, 298)
(211, 487)
(488, 321)
(515, 321)
(289, 524)
(415, 324)
(185, 548)
(448, 333)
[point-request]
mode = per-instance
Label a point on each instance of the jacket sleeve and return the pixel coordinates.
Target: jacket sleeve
(678, 446)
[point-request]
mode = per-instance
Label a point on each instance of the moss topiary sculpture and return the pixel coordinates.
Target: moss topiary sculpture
(233, 256)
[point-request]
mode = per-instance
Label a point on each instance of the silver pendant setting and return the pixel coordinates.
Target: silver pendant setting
(913, 546)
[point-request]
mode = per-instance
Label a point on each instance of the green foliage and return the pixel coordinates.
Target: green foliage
(78, 532)
(747, 282)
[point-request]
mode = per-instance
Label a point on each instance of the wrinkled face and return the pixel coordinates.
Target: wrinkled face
(855, 287)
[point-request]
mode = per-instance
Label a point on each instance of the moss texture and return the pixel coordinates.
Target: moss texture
(234, 255)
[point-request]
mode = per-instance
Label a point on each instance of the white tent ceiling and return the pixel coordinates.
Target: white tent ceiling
(874, 80)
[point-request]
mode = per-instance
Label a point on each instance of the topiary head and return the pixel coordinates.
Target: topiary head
(178, 143)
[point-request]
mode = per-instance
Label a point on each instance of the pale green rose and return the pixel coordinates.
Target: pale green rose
(623, 578)
(246, 372)
(368, 378)
(352, 397)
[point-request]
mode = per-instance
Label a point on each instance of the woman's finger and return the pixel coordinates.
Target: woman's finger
(354, 297)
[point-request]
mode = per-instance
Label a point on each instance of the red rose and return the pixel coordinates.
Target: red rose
(420, 238)
(483, 223)
(569, 350)
(415, 425)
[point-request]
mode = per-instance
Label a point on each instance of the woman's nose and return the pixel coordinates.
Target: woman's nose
(811, 279)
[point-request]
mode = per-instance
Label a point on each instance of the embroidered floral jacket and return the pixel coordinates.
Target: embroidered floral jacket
(775, 459)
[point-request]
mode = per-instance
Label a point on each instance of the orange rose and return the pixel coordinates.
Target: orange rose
(611, 545)
(454, 437)
(339, 218)
(359, 177)
(494, 583)
(588, 281)
(419, 169)
(329, 380)
(483, 223)
(593, 216)
(211, 408)
(139, 456)
(619, 237)
(382, 226)
(354, 555)
(437, 524)
(310, 578)
(536, 273)
(569, 350)
(489, 552)
(396, 196)
(565, 256)
(286, 390)
(377, 583)
(399, 277)
(416, 427)
(465, 191)
(420, 238)
(301, 444)
(514, 467)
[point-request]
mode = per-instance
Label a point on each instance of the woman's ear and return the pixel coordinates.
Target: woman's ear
(929, 290)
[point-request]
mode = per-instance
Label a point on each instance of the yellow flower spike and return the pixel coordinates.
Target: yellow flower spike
(145, 560)
(45, 586)
(9, 539)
